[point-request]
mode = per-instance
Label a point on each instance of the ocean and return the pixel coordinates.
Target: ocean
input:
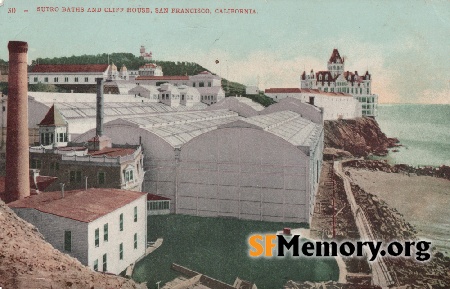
(423, 131)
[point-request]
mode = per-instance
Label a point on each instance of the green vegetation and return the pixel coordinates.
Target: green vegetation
(218, 248)
(170, 68)
(44, 87)
(234, 88)
(131, 61)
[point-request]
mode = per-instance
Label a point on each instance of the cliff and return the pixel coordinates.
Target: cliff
(27, 261)
(360, 137)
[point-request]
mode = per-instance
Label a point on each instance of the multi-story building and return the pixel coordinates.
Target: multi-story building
(71, 74)
(336, 79)
(105, 229)
(146, 55)
(150, 69)
(336, 105)
(81, 166)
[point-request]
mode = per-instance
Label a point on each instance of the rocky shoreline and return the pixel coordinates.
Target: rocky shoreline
(360, 137)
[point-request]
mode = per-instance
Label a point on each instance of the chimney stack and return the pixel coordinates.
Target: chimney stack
(99, 141)
(99, 129)
(17, 183)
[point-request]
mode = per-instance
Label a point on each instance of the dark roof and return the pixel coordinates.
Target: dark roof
(53, 68)
(53, 118)
(335, 56)
(169, 77)
(113, 152)
(283, 90)
(42, 183)
(80, 205)
(305, 90)
(152, 197)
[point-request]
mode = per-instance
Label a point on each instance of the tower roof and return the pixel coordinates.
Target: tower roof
(335, 56)
(53, 118)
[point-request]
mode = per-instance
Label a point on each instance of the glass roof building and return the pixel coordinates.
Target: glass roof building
(221, 164)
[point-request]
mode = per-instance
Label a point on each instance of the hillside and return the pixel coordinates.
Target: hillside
(27, 261)
(131, 61)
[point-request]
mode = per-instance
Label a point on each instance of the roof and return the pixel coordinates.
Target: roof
(112, 152)
(179, 128)
(282, 90)
(53, 118)
(152, 197)
(165, 77)
(335, 56)
(57, 68)
(95, 203)
(42, 182)
(306, 90)
(290, 126)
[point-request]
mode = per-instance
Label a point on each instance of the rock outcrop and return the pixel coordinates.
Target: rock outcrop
(360, 136)
(28, 261)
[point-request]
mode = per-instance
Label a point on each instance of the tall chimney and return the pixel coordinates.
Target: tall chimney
(99, 129)
(17, 183)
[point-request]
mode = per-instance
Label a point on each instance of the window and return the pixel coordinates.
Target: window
(209, 84)
(121, 222)
(193, 84)
(76, 79)
(55, 79)
(35, 164)
(135, 240)
(66, 79)
(96, 265)
(201, 84)
(35, 79)
(121, 251)
(105, 265)
(86, 79)
(68, 241)
(97, 237)
(101, 178)
(45, 79)
(105, 232)
(75, 176)
(54, 166)
(135, 214)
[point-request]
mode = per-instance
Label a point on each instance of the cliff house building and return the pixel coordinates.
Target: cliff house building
(337, 80)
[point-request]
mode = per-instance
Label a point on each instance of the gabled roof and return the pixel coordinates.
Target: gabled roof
(53, 118)
(53, 68)
(95, 203)
(335, 56)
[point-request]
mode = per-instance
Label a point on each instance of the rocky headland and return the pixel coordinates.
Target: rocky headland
(358, 137)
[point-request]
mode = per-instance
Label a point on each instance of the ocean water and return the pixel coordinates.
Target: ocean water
(423, 130)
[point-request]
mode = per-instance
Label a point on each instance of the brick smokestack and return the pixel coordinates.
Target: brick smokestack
(17, 183)
(99, 129)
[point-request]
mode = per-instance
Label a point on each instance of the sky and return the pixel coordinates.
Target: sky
(405, 45)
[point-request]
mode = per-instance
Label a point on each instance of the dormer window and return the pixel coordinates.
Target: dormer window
(326, 76)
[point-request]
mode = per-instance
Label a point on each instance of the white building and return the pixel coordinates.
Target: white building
(150, 69)
(336, 105)
(336, 79)
(68, 73)
(79, 109)
(217, 163)
(144, 54)
(105, 229)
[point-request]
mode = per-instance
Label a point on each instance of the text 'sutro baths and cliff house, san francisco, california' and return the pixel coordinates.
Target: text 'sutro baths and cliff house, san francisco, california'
(215, 171)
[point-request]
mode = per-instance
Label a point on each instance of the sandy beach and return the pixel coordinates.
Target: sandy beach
(423, 201)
